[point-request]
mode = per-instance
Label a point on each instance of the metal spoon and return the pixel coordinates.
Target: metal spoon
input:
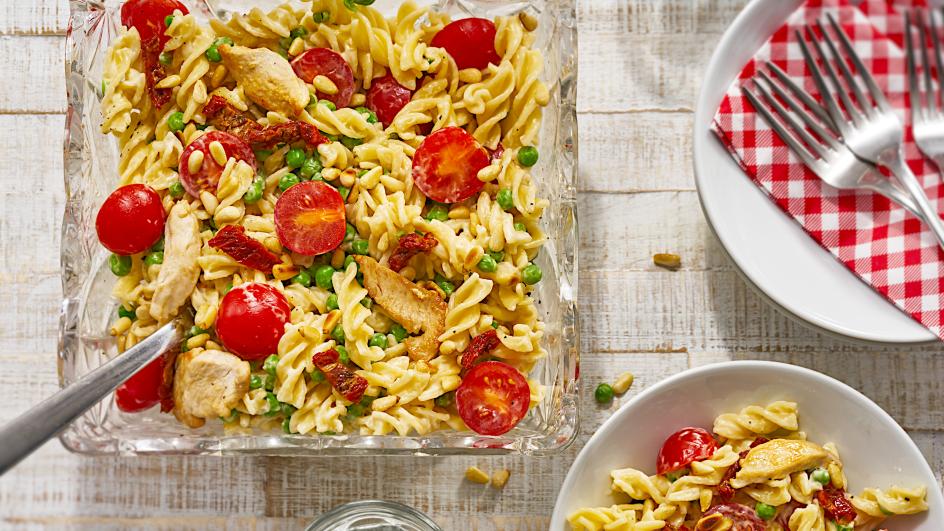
(30, 430)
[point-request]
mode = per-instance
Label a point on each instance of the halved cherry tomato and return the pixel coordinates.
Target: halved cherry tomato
(328, 63)
(252, 319)
(493, 398)
(386, 97)
(683, 447)
(208, 177)
(309, 218)
(131, 219)
(446, 165)
(470, 42)
(147, 16)
(142, 390)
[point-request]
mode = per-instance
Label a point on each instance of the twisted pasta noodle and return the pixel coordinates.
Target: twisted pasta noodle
(522, 348)
(391, 216)
(124, 82)
(809, 518)
(421, 418)
(444, 377)
(705, 475)
(802, 488)
(259, 27)
(638, 485)
(836, 474)
(891, 501)
(489, 102)
(335, 155)
(321, 412)
(773, 492)
(400, 377)
(134, 147)
(493, 227)
(523, 120)
(463, 313)
(353, 318)
(235, 180)
(456, 252)
(506, 173)
(613, 518)
(296, 348)
(206, 300)
(189, 42)
(431, 104)
(756, 420)
(253, 403)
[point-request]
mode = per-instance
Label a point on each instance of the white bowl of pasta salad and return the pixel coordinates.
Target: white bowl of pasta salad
(750, 446)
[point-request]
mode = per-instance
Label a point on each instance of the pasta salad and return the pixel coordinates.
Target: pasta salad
(756, 472)
(338, 205)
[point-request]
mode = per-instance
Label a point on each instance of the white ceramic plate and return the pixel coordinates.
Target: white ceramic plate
(769, 248)
(875, 451)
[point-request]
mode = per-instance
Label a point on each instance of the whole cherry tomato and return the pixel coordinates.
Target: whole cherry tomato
(309, 218)
(386, 97)
(493, 398)
(683, 447)
(446, 165)
(142, 390)
(470, 42)
(208, 176)
(329, 63)
(147, 16)
(252, 319)
(130, 220)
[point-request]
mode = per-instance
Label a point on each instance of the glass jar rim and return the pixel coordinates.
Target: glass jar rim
(377, 513)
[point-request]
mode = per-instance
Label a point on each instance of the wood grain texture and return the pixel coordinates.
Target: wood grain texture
(641, 63)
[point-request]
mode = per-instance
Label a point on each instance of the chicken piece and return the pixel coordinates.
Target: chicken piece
(208, 384)
(179, 271)
(267, 78)
(413, 307)
(778, 459)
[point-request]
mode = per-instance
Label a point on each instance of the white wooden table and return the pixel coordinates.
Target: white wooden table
(641, 63)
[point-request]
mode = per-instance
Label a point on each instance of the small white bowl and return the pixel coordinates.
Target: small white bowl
(875, 451)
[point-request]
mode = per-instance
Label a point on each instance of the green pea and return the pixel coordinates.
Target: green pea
(285, 42)
(361, 173)
(201, 127)
(298, 32)
(344, 191)
(175, 122)
(603, 393)
(288, 409)
(363, 2)
(498, 256)
(195, 331)
(273, 406)
(176, 190)
(321, 16)
(262, 154)
(227, 288)
(843, 527)
(287, 181)
(438, 212)
(159, 246)
(366, 401)
(232, 417)
(369, 114)
(343, 356)
(269, 383)
(302, 278)
(531, 274)
(254, 193)
(255, 381)
(270, 364)
(287, 425)
(323, 276)
(351, 143)
(367, 302)
(445, 400)
(820, 475)
(337, 334)
(183, 346)
(125, 312)
(521, 226)
(360, 247)
(444, 284)
(764, 511)
(399, 332)
(487, 264)
(355, 411)
(528, 156)
(494, 325)
(349, 233)
(154, 258)
(377, 340)
(120, 264)
(213, 52)
(317, 376)
(311, 166)
(283, 53)
(504, 199)
(104, 86)
(331, 106)
(166, 58)
(332, 302)
(350, 4)
(295, 157)
(329, 432)
(168, 20)
(348, 260)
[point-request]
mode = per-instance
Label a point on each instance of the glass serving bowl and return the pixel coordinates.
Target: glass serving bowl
(91, 161)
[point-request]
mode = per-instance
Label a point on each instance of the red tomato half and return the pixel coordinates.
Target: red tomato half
(683, 447)
(328, 63)
(142, 390)
(386, 97)
(147, 16)
(131, 219)
(252, 319)
(209, 175)
(446, 165)
(309, 218)
(493, 398)
(470, 42)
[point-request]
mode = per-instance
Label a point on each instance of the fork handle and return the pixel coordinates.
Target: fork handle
(897, 166)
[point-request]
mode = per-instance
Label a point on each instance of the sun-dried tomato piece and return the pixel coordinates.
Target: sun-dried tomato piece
(154, 72)
(835, 504)
(225, 117)
(480, 344)
(350, 384)
(409, 246)
(166, 389)
(248, 251)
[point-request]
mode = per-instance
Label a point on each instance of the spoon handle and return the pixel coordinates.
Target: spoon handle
(30, 430)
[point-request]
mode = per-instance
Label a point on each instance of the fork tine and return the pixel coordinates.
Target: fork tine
(938, 60)
(804, 96)
(831, 105)
(914, 92)
(834, 78)
(865, 106)
(925, 62)
(870, 83)
(781, 131)
(798, 110)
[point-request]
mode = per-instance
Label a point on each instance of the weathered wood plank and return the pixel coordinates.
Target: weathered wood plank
(34, 18)
(33, 80)
(679, 17)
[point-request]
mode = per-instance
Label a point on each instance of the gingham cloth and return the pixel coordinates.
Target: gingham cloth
(883, 245)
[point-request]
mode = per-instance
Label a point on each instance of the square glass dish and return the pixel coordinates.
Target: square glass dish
(91, 162)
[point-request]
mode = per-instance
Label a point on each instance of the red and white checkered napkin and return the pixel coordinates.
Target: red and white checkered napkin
(887, 248)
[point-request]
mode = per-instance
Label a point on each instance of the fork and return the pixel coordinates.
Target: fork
(828, 157)
(927, 118)
(869, 127)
